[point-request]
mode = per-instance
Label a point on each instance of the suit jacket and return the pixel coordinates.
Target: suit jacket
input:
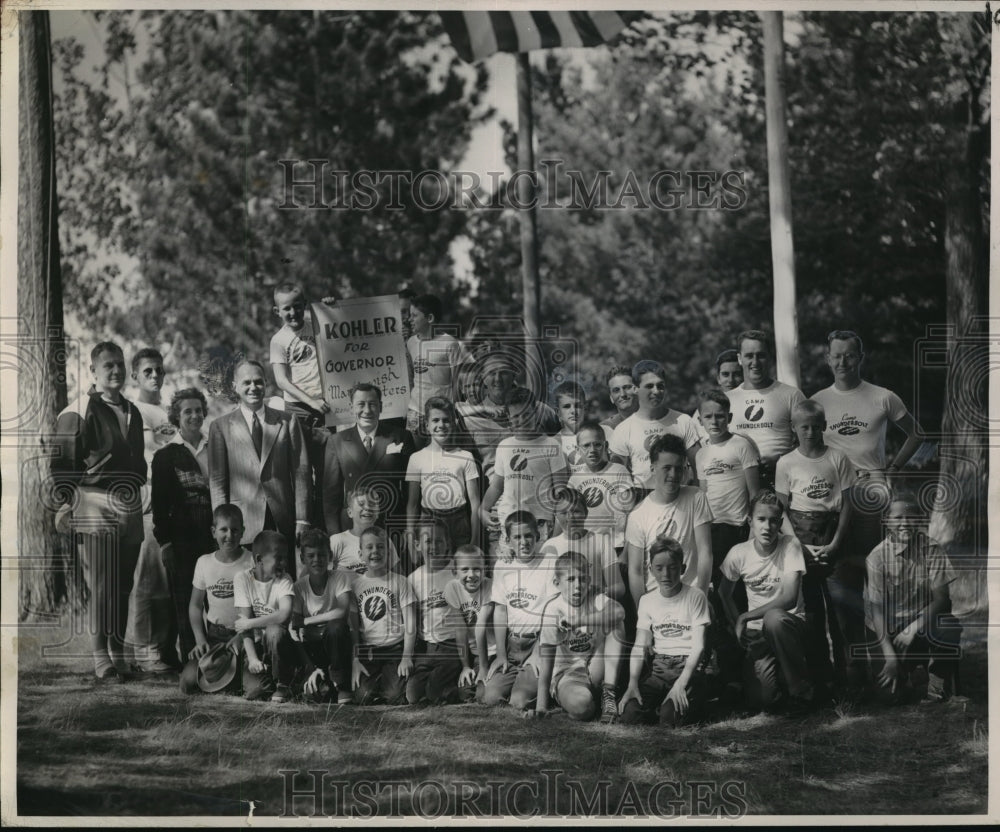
(346, 462)
(279, 480)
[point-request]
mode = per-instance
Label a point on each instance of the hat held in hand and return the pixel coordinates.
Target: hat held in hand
(217, 668)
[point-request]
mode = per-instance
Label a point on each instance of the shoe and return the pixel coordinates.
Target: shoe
(609, 706)
(109, 676)
(937, 691)
(156, 668)
(281, 694)
(344, 697)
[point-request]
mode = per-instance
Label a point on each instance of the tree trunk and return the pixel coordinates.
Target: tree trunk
(41, 351)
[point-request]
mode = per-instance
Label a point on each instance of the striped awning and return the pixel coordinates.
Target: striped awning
(477, 35)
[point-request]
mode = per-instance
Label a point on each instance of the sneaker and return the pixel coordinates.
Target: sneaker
(936, 690)
(281, 694)
(609, 706)
(344, 697)
(156, 668)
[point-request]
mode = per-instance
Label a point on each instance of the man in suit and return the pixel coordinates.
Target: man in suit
(371, 450)
(257, 460)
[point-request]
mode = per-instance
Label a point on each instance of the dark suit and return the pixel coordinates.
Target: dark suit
(347, 462)
(278, 481)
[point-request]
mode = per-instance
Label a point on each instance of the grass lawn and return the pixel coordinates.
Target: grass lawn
(144, 749)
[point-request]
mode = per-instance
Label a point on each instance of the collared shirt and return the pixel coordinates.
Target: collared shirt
(248, 416)
(362, 434)
(200, 453)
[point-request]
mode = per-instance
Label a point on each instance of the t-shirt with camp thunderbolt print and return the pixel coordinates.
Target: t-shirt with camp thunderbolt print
(524, 591)
(297, 349)
(380, 608)
(469, 606)
(678, 520)
(814, 484)
(527, 467)
(856, 422)
(215, 578)
(576, 646)
(437, 618)
(632, 438)
(762, 575)
(609, 494)
(263, 597)
(721, 470)
(766, 417)
(672, 620)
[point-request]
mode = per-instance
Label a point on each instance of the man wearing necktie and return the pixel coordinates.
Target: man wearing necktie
(258, 461)
(372, 450)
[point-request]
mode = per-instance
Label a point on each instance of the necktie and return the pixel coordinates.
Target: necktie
(257, 434)
(368, 442)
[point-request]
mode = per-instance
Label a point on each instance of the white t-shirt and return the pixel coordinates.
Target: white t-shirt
(442, 476)
(307, 603)
(345, 548)
(856, 422)
(634, 435)
(762, 575)
(434, 363)
(437, 621)
(216, 579)
(156, 429)
(721, 473)
(610, 496)
(297, 349)
(595, 548)
(672, 620)
(766, 417)
(678, 520)
(380, 608)
(469, 605)
(527, 467)
(576, 646)
(524, 591)
(260, 596)
(814, 484)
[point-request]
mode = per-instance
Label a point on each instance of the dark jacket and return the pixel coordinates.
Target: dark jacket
(182, 503)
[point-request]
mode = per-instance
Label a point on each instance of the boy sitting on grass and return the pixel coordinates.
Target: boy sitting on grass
(580, 646)
(672, 619)
(908, 606)
(468, 594)
(520, 592)
(214, 575)
(322, 625)
(345, 546)
(263, 600)
(387, 611)
(773, 630)
(437, 664)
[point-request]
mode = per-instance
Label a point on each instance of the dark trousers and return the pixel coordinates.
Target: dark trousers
(776, 660)
(436, 668)
(383, 681)
(657, 680)
(456, 521)
(315, 433)
(939, 650)
(277, 651)
(328, 646)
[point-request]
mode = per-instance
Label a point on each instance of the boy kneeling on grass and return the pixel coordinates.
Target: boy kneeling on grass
(908, 606)
(673, 619)
(773, 631)
(263, 598)
(580, 645)
(324, 627)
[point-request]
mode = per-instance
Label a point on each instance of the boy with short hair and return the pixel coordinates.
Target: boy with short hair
(324, 627)
(572, 514)
(263, 600)
(672, 621)
(728, 375)
(571, 405)
(442, 479)
(580, 645)
(762, 407)
(435, 356)
(654, 417)
(813, 483)
(469, 594)
(345, 547)
(607, 486)
(908, 606)
(773, 630)
(520, 592)
(621, 390)
(388, 617)
(529, 470)
(436, 664)
(670, 509)
(212, 609)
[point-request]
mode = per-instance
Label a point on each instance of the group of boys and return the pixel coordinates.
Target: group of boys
(717, 552)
